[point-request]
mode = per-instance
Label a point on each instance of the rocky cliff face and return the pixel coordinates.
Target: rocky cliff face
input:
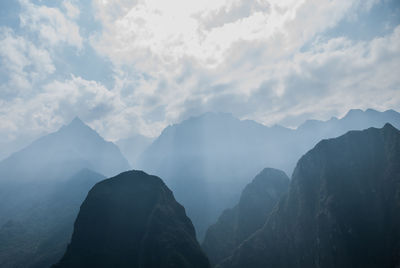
(133, 220)
(342, 209)
(237, 224)
(214, 155)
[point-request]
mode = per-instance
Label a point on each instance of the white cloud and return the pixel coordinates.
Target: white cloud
(150, 33)
(263, 60)
(51, 24)
(22, 63)
(54, 104)
(179, 58)
(72, 10)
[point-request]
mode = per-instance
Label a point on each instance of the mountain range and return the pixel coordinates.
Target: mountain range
(212, 157)
(342, 208)
(63, 153)
(42, 187)
(237, 224)
(133, 147)
(207, 161)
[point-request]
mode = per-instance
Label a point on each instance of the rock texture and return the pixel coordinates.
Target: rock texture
(235, 225)
(214, 155)
(133, 220)
(342, 209)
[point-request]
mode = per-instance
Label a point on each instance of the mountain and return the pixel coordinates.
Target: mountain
(342, 208)
(28, 176)
(211, 157)
(133, 146)
(65, 152)
(132, 220)
(40, 237)
(41, 188)
(235, 225)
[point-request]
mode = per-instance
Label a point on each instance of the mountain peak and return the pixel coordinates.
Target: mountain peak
(389, 127)
(77, 122)
(353, 112)
(149, 227)
(333, 193)
(78, 127)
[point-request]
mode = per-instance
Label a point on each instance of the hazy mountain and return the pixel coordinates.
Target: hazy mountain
(40, 237)
(342, 209)
(28, 176)
(134, 146)
(133, 220)
(212, 157)
(235, 225)
(65, 152)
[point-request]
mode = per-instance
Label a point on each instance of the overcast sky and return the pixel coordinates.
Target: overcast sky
(129, 67)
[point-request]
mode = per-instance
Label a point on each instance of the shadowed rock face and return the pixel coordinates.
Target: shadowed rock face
(342, 209)
(237, 224)
(133, 220)
(215, 155)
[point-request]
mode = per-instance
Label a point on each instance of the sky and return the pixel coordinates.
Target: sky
(134, 67)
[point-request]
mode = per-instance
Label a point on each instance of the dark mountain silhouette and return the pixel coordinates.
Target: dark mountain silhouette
(132, 220)
(211, 157)
(342, 209)
(40, 237)
(235, 225)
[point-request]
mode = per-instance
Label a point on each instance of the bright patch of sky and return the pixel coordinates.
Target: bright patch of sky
(133, 67)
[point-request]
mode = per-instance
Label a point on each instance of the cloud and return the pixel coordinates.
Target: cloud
(234, 56)
(51, 24)
(22, 64)
(72, 10)
(56, 103)
(270, 61)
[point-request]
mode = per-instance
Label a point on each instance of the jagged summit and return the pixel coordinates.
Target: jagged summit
(214, 155)
(389, 127)
(342, 209)
(237, 224)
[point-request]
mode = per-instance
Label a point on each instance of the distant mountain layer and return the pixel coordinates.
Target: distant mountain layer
(237, 224)
(133, 147)
(35, 222)
(342, 209)
(28, 175)
(212, 157)
(40, 237)
(133, 220)
(63, 153)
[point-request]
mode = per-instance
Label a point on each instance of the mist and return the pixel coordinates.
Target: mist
(213, 156)
(199, 134)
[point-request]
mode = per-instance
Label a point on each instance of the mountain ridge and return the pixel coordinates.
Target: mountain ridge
(202, 154)
(342, 209)
(235, 225)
